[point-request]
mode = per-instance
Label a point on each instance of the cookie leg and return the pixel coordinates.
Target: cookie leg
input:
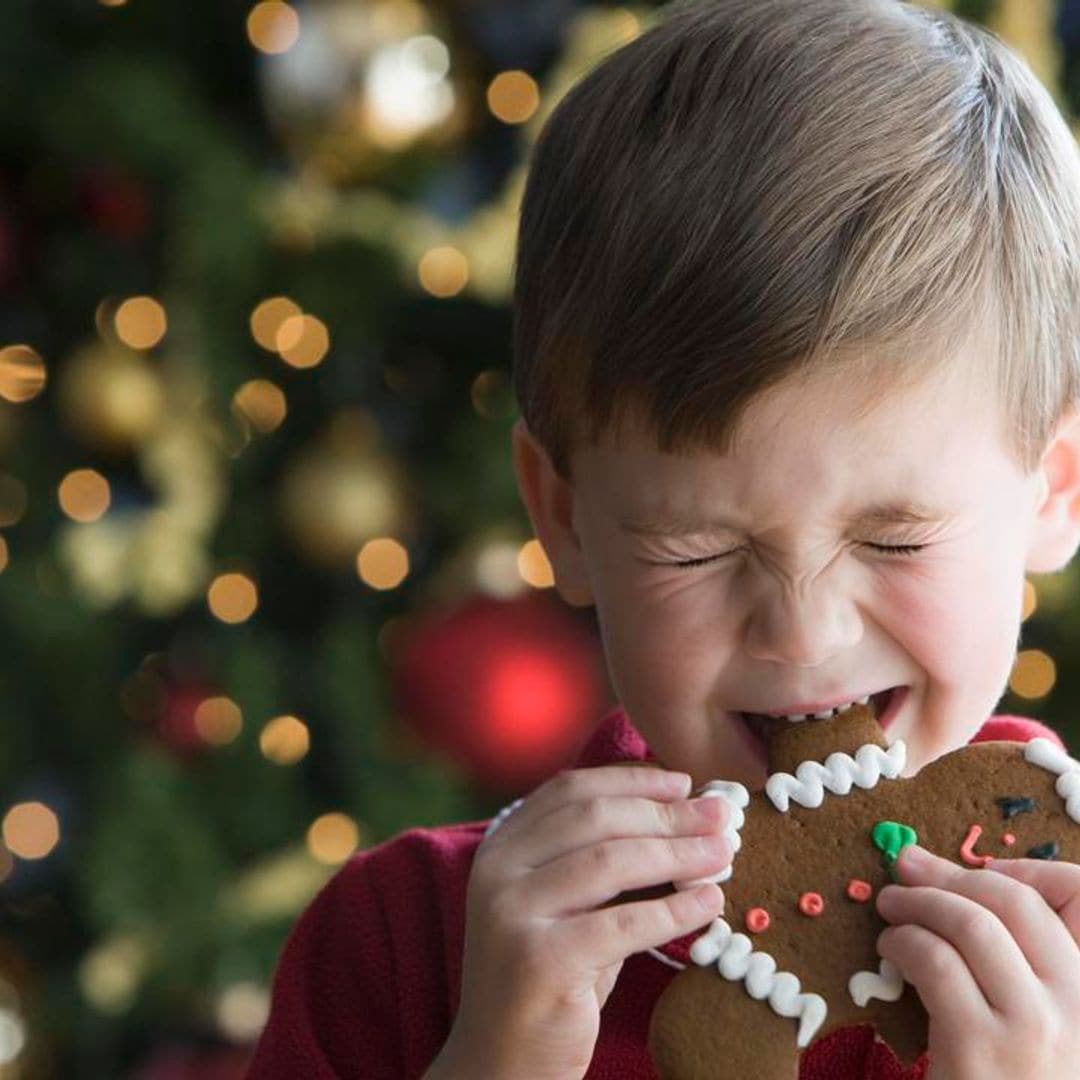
(707, 1028)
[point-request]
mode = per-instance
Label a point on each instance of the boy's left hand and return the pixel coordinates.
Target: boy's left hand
(994, 955)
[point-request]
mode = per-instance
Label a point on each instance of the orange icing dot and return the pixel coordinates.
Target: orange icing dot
(757, 920)
(859, 890)
(810, 903)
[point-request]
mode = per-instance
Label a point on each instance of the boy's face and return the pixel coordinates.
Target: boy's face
(798, 608)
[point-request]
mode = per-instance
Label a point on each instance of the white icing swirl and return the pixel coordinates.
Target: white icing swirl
(840, 771)
(1046, 755)
(737, 961)
(887, 984)
(737, 798)
(501, 816)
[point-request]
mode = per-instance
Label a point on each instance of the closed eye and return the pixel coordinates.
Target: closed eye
(887, 549)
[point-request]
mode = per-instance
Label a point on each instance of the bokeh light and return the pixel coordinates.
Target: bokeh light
(534, 565)
(140, 322)
(273, 27)
(332, 838)
(84, 495)
(284, 740)
(31, 830)
(443, 271)
(383, 563)
(22, 374)
(233, 598)
(267, 318)
(513, 96)
(218, 720)
(1033, 675)
(262, 403)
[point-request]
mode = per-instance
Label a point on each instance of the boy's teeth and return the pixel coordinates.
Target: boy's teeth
(798, 717)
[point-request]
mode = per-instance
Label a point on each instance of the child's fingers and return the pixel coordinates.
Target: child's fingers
(612, 817)
(996, 963)
(942, 980)
(610, 935)
(1048, 948)
(1057, 883)
(588, 877)
(579, 785)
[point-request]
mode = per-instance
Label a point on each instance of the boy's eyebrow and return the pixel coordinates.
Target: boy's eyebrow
(887, 513)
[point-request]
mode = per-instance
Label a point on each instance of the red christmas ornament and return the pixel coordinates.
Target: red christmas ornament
(509, 689)
(174, 718)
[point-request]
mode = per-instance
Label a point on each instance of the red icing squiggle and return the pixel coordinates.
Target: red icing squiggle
(967, 848)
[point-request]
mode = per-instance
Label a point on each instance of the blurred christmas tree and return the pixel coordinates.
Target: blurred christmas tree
(268, 590)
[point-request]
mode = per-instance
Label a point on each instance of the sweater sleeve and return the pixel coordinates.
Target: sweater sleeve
(369, 978)
(332, 1005)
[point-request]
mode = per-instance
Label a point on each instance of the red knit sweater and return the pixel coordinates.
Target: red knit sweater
(369, 980)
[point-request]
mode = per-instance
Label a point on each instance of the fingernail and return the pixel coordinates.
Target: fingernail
(915, 858)
(680, 782)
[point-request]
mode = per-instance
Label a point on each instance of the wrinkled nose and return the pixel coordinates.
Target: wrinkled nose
(803, 627)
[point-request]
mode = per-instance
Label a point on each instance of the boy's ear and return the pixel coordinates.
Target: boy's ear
(549, 501)
(1056, 528)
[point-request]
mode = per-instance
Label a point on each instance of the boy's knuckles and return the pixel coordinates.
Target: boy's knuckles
(978, 929)
(591, 814)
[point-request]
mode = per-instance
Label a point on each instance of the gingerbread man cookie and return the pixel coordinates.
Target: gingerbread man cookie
(794, 956)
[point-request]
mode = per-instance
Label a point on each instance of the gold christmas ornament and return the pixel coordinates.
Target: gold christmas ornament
(359, 85)
(110, 398)
(343, 492)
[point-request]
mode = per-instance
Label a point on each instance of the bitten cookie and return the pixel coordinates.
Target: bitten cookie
(794, 956)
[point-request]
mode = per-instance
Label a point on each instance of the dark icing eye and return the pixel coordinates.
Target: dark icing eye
(1011, 805)
(1049, 850)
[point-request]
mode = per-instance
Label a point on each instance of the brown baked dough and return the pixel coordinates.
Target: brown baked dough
(707, 1027)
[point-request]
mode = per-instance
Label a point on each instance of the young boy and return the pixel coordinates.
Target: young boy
(798, 358)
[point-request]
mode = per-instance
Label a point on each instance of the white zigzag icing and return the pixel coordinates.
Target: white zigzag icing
(807, 787)
(737, 798)
(1046, 755)
(737, 961)
(501, 816)
(886, 983)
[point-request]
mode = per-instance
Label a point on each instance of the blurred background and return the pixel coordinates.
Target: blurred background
(267, 591)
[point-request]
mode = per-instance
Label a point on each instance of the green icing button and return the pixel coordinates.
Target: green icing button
(891, 837)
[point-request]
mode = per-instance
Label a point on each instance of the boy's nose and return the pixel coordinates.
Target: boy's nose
(804, 630)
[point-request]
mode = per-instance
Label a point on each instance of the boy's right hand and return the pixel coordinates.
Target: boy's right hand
(541, 954)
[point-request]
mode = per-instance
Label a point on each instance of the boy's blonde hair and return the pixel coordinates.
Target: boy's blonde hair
(756, 188)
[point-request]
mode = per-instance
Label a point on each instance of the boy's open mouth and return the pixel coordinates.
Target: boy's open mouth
(884, 703)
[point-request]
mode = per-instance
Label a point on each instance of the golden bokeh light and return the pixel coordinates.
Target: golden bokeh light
(31, 830)
(5, 555)
(22, 374)
(267, 318)
(233, 597)
(284, 740)
(140, 322)
(443, 271)
(112, 3)
(218, 720)
(332, 838)
(492, 395)
(1033, 675)
(383, 563)
(513, 96)
(303, 341)
(242, 1011)
(13, 500)
(1031, 601)
(534, 565)
(262, 403)
(84, 495)
(273, 27)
